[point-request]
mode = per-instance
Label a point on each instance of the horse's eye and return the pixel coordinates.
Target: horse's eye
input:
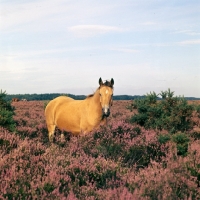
(99, 94)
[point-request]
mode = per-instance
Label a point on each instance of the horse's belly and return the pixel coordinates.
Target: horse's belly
(68, 125)
(89, 125)
(75, 125)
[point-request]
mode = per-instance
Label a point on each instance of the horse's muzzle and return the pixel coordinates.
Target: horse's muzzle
(105, 112)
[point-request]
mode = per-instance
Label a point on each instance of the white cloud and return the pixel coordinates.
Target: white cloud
(187, 32)
(125, 50)
(189, 42)
(92, 30)
(39, 14)
(149, 23)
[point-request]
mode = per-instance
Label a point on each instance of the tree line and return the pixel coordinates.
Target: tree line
(50, 96)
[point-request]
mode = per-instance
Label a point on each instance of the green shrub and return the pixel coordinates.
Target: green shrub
(64, 186)
(136, 155)
(22, 190)
(141, 155)
(170, 113)
(197, 108)
(137, 130)
(103, 178)
(7, 145)
(194, 171)
(48, 187)
(6, 113)
(110, 149)
(163, 138)
(182, 141)
(195, 135)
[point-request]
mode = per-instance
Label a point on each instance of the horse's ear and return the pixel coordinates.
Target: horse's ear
(100, 81)
(112, 81)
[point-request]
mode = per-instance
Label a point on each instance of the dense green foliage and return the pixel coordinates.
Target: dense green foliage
(170, 113)
(6, 113)
(182, 141)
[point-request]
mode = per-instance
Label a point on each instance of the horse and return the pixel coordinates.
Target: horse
(15, 99)
(80, 117)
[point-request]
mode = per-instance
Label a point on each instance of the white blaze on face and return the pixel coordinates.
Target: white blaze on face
(106, 107)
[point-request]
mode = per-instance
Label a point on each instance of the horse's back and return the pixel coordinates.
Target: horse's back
(57, 101)
(52, 107)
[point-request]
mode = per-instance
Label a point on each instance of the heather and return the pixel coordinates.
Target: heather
(124, 160)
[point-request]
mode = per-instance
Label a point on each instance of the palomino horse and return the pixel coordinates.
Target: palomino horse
(80, 116)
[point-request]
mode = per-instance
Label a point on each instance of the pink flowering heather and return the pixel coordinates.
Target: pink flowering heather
(120, 161)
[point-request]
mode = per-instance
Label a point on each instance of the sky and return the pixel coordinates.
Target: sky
(65, 46)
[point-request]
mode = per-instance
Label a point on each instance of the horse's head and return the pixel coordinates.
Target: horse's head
(106, 94)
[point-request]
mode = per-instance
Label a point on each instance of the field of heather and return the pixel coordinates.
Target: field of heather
(120, 161)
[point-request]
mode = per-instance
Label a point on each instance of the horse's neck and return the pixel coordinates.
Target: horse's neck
(95, 103)
(96, 99)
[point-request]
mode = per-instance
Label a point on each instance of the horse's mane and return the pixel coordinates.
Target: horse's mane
(90, 95)
(106, 83)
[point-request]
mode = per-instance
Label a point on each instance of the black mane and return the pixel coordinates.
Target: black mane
(108, 83)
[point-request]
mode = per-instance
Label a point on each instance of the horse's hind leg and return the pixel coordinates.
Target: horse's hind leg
(62, 137)
(51, 129)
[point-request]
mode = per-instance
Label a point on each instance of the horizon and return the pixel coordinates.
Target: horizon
(85, 95)
(50, 46)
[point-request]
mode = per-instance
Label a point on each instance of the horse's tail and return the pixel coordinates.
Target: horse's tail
(50, 119)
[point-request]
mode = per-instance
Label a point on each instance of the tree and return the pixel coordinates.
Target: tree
(6, 113)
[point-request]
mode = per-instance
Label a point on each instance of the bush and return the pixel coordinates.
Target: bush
(6, 113)
(181, 140)
(163, 138)
(171, 113)
(197, 108)
(136, 155)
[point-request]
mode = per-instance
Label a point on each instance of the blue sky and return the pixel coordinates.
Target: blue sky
(50, 46)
